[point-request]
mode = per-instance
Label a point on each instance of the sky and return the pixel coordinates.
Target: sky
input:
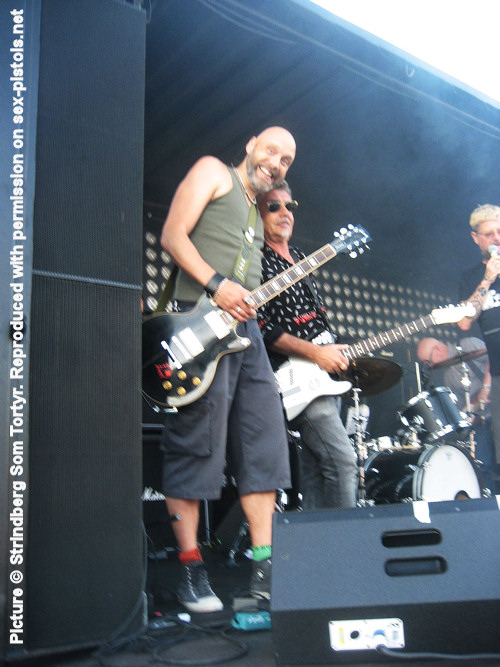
(458, 37)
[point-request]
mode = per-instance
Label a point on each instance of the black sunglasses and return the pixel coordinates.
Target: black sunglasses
(274, 206)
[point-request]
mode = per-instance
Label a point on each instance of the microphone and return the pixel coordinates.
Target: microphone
(493, 250)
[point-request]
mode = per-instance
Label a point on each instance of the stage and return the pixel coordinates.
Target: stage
(173, 637)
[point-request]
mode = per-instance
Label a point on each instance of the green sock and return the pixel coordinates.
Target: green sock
(261, 553)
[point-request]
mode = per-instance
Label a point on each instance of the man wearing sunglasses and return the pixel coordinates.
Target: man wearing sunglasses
(294, 324)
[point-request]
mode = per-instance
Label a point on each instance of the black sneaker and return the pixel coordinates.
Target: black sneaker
(260, 581)
(194, 591)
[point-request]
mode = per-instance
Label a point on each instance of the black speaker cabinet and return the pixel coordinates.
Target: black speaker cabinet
(419, 577)
(78, 575)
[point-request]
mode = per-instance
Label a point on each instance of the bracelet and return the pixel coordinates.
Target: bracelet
(213, 284)
(218, 289)
(486, 386)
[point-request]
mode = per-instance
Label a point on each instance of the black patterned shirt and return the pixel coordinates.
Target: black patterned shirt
(294, 311)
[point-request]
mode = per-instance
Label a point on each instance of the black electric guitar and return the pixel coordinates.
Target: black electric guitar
(180, 351)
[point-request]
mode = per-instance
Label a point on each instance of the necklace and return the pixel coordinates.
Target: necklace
(253, 200)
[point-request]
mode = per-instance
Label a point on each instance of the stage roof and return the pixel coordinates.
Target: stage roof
(382, 140)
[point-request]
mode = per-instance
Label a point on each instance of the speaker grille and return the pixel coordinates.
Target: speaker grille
(84, 564)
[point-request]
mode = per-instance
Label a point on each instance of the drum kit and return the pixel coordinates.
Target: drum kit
(433, 456)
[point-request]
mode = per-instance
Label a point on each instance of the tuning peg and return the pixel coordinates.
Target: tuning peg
(353, 254)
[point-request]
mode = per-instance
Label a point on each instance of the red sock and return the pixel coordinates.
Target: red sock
(186, 557)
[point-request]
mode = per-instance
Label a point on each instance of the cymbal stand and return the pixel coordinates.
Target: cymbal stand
(466, 384)
(360, 447)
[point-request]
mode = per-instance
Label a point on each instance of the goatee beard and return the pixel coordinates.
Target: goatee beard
(258, 187)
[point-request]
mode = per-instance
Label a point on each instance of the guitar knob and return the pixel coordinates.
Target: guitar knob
(166, 385)
(181, 391)
(182, 375)
(196, 381)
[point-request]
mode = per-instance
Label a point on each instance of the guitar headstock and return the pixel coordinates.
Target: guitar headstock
(452, 314)
(352, 240)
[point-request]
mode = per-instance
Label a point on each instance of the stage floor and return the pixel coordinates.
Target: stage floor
(209, 639)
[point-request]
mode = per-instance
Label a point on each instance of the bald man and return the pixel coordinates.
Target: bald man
(239, 420)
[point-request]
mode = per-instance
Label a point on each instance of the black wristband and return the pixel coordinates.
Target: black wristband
(213, 283)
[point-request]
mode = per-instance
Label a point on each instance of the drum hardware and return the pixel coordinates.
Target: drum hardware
(281, 504)
(482, 410)
(381, 443)
(417, 375)
(359, 445)
(368, 376)
(465, 381)
(243, 532)
(410, 439)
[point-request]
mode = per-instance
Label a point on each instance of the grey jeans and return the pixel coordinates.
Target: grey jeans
(329, 471)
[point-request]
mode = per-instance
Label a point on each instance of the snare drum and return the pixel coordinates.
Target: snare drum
(431, 473)
(436, 416)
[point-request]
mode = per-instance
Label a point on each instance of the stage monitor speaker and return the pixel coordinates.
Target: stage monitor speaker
(414, 578)
(82, 549)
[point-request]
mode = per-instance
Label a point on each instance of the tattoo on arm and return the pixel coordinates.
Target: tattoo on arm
(477, 300)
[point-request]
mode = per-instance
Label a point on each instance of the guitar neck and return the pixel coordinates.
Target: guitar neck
(364, 347)
(283, 281)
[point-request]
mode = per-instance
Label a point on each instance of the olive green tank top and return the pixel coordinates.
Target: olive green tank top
(218, 236)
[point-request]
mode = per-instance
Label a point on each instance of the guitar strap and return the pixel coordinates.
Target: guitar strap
(319, 308)
(245, 254)
(240, 268)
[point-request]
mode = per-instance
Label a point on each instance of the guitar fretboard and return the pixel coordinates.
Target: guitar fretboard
(278, 284)
(399, 333)
(351, 241)
(275, 286)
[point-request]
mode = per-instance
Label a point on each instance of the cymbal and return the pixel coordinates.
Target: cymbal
(372, 374)
(463, 356)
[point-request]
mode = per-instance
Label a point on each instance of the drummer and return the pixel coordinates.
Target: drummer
(295, 324)
(445, 360)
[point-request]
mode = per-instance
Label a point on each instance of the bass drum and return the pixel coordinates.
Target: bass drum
(431, 473)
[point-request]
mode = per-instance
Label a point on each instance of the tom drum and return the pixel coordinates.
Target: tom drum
(436, 416)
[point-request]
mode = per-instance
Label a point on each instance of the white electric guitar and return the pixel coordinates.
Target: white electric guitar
(301, 381)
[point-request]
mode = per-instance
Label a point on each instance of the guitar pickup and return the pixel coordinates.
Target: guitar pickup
(189, 344)
(217, 324)
(182, 351)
